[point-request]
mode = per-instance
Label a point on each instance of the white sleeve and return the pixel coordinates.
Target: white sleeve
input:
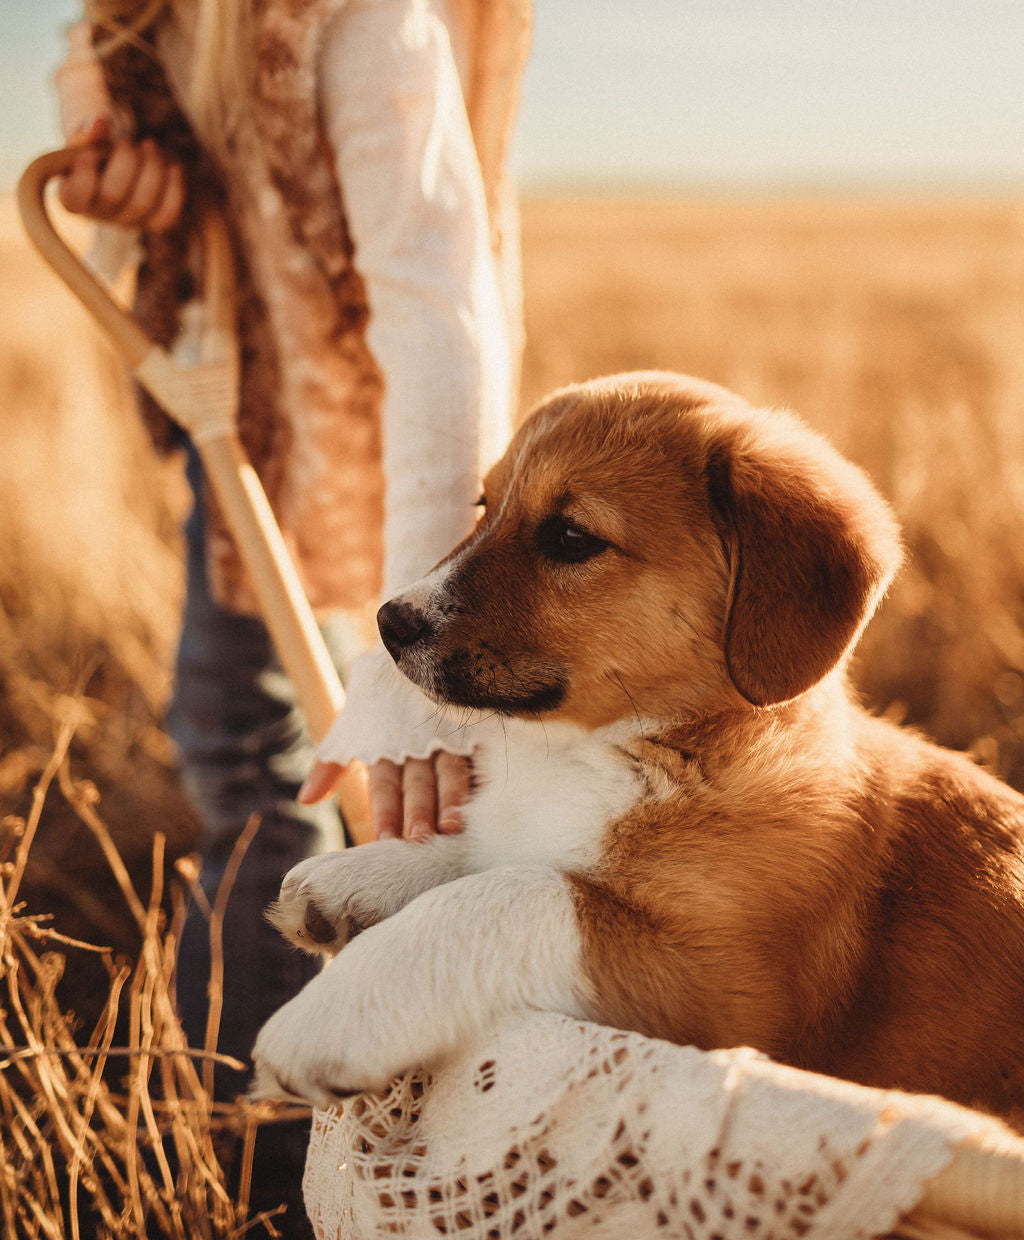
(82, 94)
(394, 116)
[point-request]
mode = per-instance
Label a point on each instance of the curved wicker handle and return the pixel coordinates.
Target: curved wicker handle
(203, 399)
(130, 340)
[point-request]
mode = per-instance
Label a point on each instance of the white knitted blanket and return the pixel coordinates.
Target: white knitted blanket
(559, 1128)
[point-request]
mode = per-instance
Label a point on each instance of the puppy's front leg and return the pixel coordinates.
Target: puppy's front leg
(435, 976)
(324, 900)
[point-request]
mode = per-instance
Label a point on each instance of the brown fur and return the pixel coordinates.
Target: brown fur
(801, 877)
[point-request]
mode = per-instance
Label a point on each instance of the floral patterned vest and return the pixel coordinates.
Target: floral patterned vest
(310, 399)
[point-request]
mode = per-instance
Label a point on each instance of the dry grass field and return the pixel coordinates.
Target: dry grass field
(895, 328)
(89, 587)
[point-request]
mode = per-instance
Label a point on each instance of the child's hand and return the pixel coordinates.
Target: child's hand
(132, 184)
(416, 799)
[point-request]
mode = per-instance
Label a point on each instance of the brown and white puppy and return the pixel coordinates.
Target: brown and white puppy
(683, 824)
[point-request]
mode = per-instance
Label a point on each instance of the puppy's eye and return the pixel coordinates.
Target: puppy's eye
(481, 502)
(565, 542)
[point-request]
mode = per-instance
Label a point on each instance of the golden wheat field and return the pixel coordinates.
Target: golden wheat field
(897, 328)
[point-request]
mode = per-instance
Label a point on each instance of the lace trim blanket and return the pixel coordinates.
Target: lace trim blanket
(555, 1127)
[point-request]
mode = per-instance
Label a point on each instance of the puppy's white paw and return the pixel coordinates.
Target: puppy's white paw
(311, 910)
(424, 982)
(348, 1030)
(327, 900)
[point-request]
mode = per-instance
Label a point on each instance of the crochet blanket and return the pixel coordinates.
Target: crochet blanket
(561, 1128)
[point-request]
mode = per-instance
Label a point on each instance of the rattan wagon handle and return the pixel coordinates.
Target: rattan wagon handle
(203, 398)
(131, 341)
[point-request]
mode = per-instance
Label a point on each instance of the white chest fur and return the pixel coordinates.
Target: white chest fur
(545, 794)
(462, 929)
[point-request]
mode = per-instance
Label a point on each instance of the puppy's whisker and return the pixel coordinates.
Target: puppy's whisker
(617, 679)
(464, 722)
(679, 615)
(504, 734)
(431, 717)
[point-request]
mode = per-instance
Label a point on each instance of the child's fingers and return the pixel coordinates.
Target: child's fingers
(79, 185)
(386, 799)
(419, 795)
(147, 191)
(320, 782)
(452, 790)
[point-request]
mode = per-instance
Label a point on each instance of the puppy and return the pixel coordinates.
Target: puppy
(682, 822)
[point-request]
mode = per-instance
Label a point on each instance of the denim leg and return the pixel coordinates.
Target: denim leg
(244, 750)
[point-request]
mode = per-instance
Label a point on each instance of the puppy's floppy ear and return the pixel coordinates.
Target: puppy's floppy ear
(811, 548)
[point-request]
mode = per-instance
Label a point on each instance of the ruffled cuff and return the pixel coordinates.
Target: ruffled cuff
(387, 716)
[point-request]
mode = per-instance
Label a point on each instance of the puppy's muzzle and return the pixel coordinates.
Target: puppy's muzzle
(401, 626)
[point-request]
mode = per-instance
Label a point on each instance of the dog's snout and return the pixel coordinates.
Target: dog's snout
(401, 626)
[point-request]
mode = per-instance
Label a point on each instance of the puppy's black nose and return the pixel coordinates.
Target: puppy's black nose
(401, 626)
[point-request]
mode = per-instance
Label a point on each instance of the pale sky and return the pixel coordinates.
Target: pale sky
(706, 94)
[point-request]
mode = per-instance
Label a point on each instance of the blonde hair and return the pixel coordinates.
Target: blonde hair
(221, 69)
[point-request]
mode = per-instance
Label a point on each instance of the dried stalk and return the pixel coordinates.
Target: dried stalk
(143, 1164)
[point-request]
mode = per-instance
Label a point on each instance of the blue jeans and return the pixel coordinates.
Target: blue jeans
(244, 750)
